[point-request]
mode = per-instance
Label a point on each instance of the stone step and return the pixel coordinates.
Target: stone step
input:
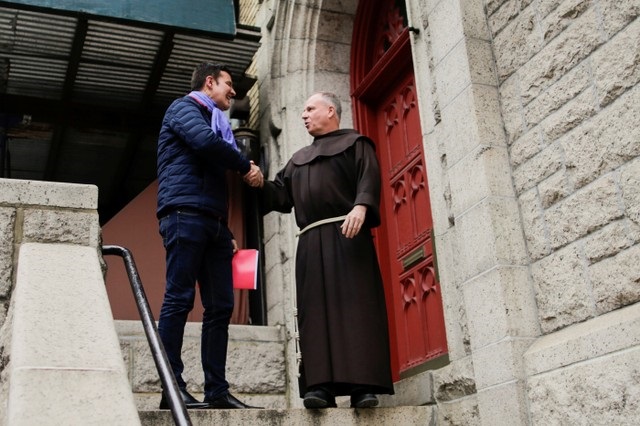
(256, 367)
(395, 416)
(151, 401)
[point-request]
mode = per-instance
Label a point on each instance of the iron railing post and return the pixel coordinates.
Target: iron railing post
(169, 384)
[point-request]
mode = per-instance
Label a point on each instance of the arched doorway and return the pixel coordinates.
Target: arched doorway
(386, 109)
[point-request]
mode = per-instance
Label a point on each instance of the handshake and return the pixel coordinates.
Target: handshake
(254, 176)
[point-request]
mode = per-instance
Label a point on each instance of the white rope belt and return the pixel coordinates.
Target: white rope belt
(320, 222)
(296, 332)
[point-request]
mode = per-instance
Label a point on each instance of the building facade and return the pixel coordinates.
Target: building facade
(508, 134)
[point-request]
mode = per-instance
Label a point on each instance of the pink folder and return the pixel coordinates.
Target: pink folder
(245, 269)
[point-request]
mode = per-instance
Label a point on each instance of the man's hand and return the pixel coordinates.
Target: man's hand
(234, 245)
(254, 176)
(354, 220)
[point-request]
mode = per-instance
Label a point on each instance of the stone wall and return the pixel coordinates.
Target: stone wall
(569, 73)
(33, 211)
(488, 298)
(255, 364)
(568, 76)
(529, 112)
(58, 346)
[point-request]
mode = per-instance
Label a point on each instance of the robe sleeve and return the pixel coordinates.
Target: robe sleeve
(276, 194)
(368, 181)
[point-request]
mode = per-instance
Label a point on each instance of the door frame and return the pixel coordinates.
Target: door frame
(369, 83)
(366, 90)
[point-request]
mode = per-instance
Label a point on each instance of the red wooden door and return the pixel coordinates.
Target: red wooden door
(386, 109)
(416, 301)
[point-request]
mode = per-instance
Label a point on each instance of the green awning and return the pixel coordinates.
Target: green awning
(212, 16)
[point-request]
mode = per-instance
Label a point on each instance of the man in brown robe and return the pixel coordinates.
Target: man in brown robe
(334, 186)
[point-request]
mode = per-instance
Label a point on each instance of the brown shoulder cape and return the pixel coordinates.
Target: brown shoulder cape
(328, 145)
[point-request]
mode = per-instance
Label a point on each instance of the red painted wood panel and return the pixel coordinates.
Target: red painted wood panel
(386, 109)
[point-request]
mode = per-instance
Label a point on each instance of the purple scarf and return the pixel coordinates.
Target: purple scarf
(219, 122)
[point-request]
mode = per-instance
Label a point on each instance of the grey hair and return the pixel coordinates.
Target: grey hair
(333, 100)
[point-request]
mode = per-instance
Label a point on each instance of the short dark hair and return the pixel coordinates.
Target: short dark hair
(332, 99)
(205, 70)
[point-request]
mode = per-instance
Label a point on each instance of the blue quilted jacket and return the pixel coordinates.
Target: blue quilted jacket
(192, 161)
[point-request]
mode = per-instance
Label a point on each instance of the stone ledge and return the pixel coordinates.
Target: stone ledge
(150, 401)
(46, 396)
(128, 329)
(51, 194)
(62, 317)
(65, 364)
(256, 363)
(399, 416)
(591, 339)
(600, 391)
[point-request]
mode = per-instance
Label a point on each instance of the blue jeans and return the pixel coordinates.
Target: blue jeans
(198, 248)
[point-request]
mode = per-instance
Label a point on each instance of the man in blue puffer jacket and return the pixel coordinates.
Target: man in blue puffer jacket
(196, 146)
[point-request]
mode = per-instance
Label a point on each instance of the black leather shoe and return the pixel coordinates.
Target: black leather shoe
(226, 401)
(363, 400)
(189, 401)
(319, 398)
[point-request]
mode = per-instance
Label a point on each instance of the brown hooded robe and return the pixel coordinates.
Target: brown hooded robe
(342, 315)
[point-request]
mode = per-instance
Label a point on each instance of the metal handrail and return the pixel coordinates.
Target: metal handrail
(169, 384)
